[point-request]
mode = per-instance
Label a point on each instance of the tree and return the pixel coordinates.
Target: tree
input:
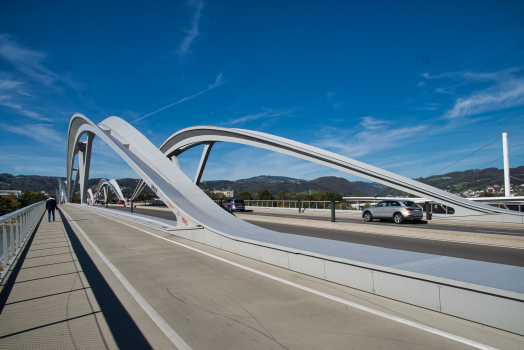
(245, 195)
(264, 195)
(29, 197)
(281, 195)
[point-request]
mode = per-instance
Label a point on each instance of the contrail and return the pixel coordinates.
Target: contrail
(211, 87)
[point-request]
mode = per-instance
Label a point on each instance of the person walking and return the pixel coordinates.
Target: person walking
(50, 206)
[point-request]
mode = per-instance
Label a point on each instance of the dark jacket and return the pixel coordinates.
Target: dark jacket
(50, 204)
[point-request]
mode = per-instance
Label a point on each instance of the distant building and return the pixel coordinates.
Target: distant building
(5, 193)
(227, 193)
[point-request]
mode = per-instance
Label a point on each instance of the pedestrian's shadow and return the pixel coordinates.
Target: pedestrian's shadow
(126, 333)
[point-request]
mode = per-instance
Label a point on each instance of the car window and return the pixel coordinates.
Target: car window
(239, 201)
(395, 204)
(410, 204)
(382, 204)
(389, 204)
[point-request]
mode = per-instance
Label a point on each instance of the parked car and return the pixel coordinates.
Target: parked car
(231, 204)
(397, 210)
(112, 201)
(121, 202)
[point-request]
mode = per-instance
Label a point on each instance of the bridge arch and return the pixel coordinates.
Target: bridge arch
(188, 138)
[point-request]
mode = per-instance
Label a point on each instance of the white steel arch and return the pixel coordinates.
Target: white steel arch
(113, 185)
(193, 206)
(188, 138)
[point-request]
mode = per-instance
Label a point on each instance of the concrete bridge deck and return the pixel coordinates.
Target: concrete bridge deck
(92, 281)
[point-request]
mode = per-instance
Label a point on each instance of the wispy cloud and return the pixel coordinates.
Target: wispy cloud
(26, 60)
(219, 81)
(12, 91)
(372, 123)
(39, 132)
(193, 32)
(505, 91)
(377, 135)
(270, 113)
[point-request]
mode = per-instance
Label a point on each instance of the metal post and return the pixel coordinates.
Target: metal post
(107, 201)
(131, 205)
(428, 211)
(332, 210)
(12, 240)
(17, 234)
(6, 257)
(507, 191)
(299, 205)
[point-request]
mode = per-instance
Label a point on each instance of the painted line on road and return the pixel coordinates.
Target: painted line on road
(155, 317)
(410, 323)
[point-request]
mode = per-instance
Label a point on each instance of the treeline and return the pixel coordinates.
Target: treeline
(11, 203)
(264, 194)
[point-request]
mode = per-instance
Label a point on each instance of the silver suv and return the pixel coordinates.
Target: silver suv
(398, 210)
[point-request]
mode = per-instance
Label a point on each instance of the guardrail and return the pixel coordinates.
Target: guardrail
(295, 204)
(16, 228)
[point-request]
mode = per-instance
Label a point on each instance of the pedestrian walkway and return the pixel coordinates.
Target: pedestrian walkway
(50, 305)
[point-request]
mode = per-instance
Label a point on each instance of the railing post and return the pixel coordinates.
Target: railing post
(12, 240)
(4, 240)
(17, 234)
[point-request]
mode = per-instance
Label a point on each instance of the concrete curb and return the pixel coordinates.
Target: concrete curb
(440, 235)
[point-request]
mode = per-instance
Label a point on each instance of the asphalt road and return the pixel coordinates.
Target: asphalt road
(499, 255)
(422, 224)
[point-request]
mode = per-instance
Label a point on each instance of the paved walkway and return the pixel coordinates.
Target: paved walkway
(51, 304)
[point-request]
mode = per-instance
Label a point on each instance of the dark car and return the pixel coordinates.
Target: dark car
(232, 204)
(112, 201)
(398, 210)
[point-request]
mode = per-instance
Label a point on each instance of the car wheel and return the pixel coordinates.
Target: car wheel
(398, 218)
(368, 217)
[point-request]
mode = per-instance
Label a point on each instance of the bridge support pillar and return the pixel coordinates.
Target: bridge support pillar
(203, 161)
(333, 210)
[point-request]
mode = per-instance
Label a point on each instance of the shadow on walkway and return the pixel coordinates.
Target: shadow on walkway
(126, 333)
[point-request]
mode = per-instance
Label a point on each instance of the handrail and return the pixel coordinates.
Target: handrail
(16, 229)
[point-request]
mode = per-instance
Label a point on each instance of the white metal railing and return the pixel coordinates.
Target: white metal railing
(16, 228)
(293, 204)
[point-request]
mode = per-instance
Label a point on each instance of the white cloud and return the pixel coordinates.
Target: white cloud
(503, 95)
(39, 132)
(26, 60)
(12, 92)
(376, 136)
(193, 32)
(372, 123)
(505, 90)
(31, 63)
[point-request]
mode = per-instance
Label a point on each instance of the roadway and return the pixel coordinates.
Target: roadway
(494, 254)
(215, 299)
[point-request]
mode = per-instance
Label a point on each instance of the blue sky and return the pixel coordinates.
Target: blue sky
(407, 86)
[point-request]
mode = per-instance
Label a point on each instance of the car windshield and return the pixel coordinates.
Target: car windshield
(410, 204)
